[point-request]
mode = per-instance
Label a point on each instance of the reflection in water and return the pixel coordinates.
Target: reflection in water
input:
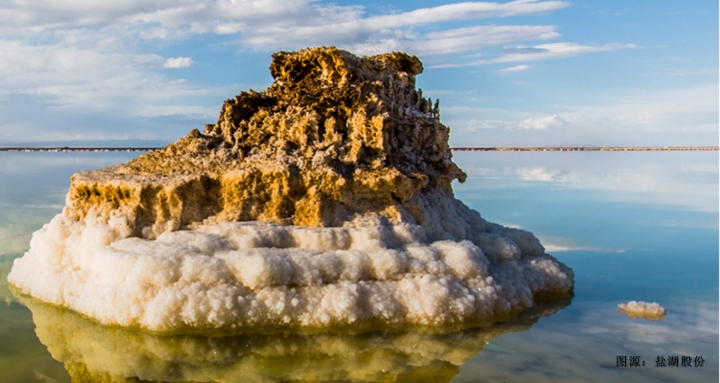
(92, 352)
(682, 179)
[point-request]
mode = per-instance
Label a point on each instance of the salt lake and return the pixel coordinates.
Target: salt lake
(632, 225)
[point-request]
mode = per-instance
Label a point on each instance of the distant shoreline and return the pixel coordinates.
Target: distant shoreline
(588, 149)
(71, 149)
(461, 149)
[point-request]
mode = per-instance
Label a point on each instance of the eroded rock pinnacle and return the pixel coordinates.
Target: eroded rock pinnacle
(335, 137)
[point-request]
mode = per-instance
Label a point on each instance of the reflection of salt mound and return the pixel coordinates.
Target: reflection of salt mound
(96, 353)
(644, 310)
(342, 175)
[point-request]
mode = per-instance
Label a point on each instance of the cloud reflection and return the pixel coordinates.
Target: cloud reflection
(690, 328)
(584, 348)
(688, 180)
(555, 244)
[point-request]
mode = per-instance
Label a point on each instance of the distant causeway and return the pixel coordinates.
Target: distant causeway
(459, 149)
(587, 149)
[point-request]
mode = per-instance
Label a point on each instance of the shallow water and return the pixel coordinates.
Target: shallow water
(633, 226)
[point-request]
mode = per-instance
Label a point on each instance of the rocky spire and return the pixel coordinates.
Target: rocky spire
(334, 137)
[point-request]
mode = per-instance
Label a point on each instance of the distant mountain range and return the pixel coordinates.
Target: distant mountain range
(87, 144)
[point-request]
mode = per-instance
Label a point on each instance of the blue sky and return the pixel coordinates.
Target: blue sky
(517, 73)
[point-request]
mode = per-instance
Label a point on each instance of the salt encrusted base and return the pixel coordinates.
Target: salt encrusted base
(233, 275)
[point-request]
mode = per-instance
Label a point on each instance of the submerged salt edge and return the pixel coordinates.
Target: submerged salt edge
(294, 211)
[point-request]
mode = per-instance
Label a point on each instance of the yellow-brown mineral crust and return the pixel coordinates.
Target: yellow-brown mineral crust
(335, 137)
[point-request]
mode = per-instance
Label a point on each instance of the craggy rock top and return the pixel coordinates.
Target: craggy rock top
(334, 138)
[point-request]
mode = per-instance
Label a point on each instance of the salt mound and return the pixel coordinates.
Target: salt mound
(325, 200)
(644, 310)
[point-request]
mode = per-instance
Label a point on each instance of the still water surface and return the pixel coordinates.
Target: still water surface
(633, 226)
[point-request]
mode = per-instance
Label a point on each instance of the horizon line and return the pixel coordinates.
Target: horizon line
(470, 148)
(586, 148)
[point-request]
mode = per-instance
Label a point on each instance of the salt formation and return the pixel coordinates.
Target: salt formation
(644, 310)
(96, 353)
(325, 200)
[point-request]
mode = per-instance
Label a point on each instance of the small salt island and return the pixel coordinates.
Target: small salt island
(643, 310)
(322, 202)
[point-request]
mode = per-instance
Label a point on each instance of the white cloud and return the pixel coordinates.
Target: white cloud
(466, 11)
(542, 123)
(88, 55)
(467, 118)
(653, 117)
(554, 244)
(169, 110)
(553, 51)
(276, 24)
(68, 68)
(458, 40)
(472, 125)
(62, 90)
(346, 27)
(229, 28)
(48, 14)
(516, 68)
(471, 119)
(178, 62)
(690, 109)
(541, 52)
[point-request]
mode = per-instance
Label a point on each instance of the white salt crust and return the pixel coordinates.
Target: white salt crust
(641, 309)
(235, 274)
